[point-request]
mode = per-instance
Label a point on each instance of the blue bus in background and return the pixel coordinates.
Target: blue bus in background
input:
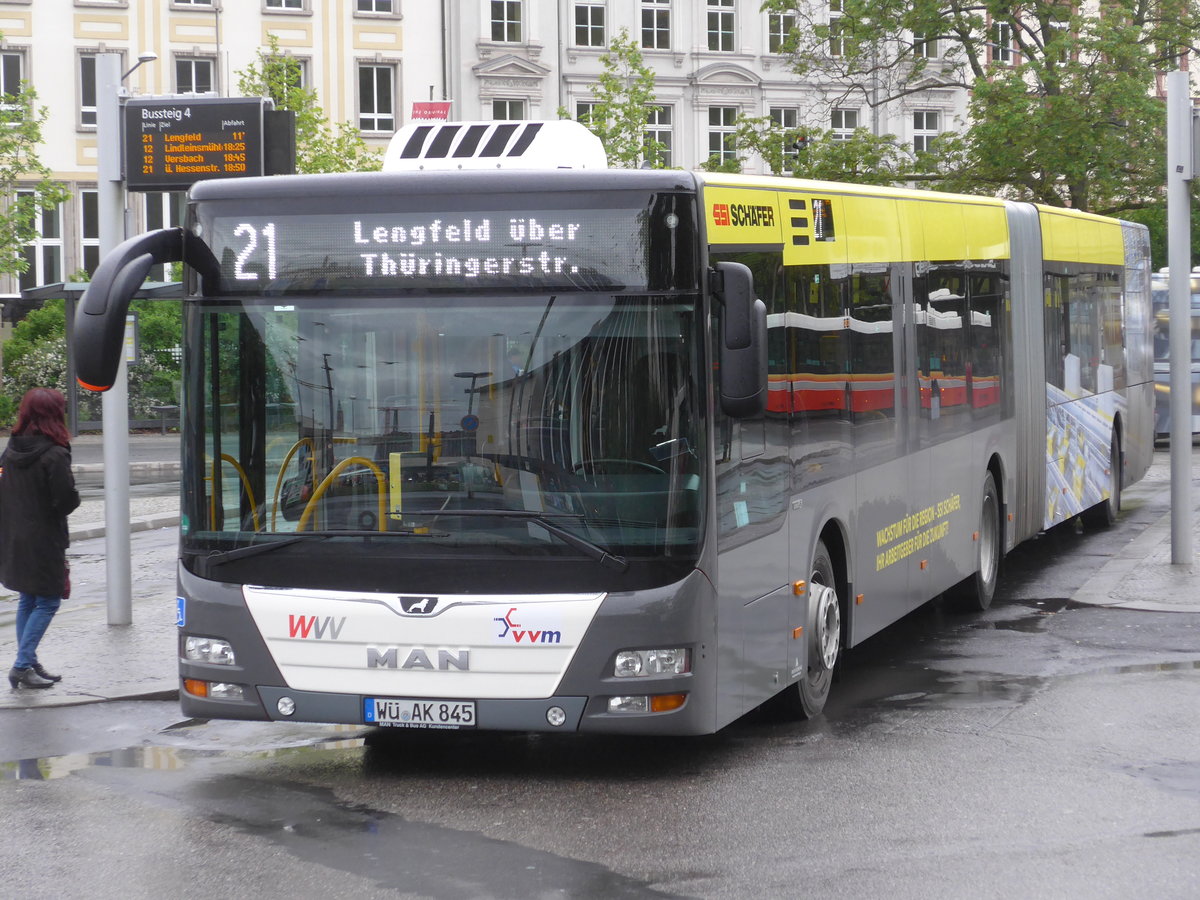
(1162, 363)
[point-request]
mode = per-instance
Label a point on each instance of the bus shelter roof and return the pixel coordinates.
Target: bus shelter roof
(150, 290)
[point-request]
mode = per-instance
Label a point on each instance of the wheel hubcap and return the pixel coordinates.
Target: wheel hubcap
(828, 630)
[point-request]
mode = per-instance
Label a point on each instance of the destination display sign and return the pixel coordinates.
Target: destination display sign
(592, 249)
(172, 143)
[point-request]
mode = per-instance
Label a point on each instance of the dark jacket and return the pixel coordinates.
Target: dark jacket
(37, 493)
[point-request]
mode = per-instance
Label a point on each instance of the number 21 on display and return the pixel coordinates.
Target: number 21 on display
(251, 234)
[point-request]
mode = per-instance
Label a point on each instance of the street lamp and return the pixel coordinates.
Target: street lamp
(110, 190)
(144, 57)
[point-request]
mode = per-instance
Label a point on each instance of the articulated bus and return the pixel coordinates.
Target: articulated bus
(1161, 307)
(473, 444)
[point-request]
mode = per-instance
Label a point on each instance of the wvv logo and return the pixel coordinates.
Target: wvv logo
(312, 627)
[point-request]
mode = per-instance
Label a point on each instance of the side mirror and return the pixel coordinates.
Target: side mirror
(742, 359)
(99, 338)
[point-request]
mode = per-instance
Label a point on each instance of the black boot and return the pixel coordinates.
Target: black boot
(37, 667)
(27, 678)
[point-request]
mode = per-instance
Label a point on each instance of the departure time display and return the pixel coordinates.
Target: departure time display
(171, 144)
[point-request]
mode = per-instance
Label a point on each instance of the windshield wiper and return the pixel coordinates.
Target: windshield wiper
(220, 557)
(588, 548)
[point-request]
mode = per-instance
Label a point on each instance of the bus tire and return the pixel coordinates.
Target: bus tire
(806, 698)
(1104, 513)
(974, 593)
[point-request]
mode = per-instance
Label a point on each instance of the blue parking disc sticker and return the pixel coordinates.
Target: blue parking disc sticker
(180, 611)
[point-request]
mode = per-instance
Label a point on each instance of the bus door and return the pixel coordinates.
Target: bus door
(753, 486)
(892, 482)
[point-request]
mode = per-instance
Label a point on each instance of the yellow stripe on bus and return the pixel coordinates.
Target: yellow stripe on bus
(866, 222)
(1072, 236)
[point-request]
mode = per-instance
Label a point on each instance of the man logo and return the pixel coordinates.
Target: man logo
(418, 605)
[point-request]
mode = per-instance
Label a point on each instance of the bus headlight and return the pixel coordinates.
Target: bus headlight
(653, 703)
(208, 650)
(637, 663)
(213, 690)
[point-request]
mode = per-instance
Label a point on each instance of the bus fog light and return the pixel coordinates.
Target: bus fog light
(555, 716)
(218, 690)
(286, 706)
(636, 704)
(667, 661)
(208, 650)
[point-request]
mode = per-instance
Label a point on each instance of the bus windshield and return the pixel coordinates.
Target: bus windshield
(551, 427)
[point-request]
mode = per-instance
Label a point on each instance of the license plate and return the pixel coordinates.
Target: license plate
(401, 712)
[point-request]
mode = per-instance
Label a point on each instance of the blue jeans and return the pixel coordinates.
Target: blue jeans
(33, 618)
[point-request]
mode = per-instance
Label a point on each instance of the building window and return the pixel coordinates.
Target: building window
(193, 75)
(12, 65)
(89, 230)
(163, 210)
(583, 112)
(506, 21)
(779, 29)
(926, 48)
(44, 254)
(722, 147)
(1002, 43)
(843, 123)
(207, 3)
(785, 119)
(658, 128)
(375, 6)
(508, 110)
(589, 24)
(720, 25)
(837, 45)
(87, 90)
(926, 128)
(285, 4)
(376, 98)
(656, 24)
(291, 73)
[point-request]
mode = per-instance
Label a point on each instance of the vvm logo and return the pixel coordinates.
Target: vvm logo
(512, 631)
(311, 626)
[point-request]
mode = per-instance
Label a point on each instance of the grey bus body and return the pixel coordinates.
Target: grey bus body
(649, 520)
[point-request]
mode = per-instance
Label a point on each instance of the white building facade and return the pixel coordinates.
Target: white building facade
(371, 60)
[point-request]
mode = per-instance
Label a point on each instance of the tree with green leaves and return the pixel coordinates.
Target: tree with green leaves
(624, 95)
(21, 121)
(36, 356)
(860, 157)
(320, 145)
(1062, 96)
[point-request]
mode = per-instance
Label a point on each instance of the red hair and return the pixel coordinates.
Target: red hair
(42, 412)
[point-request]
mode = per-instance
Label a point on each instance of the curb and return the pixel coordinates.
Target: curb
(168, 471)
(142, 523)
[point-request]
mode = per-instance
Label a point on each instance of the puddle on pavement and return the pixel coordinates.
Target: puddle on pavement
(172, 758)
(964, 692)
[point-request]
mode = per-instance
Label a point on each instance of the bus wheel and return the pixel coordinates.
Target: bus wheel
(974, 593)
(1104, 513)
(825, 636)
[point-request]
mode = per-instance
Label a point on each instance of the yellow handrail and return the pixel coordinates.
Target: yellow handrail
(225, 457)
(337, 470)
(282, 469)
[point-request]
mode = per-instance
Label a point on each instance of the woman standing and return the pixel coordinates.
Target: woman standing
(37, 493)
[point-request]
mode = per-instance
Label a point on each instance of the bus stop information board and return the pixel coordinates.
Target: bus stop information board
(172, 143)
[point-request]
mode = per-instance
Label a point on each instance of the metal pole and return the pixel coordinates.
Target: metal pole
(115, 418)
(1179, 252)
